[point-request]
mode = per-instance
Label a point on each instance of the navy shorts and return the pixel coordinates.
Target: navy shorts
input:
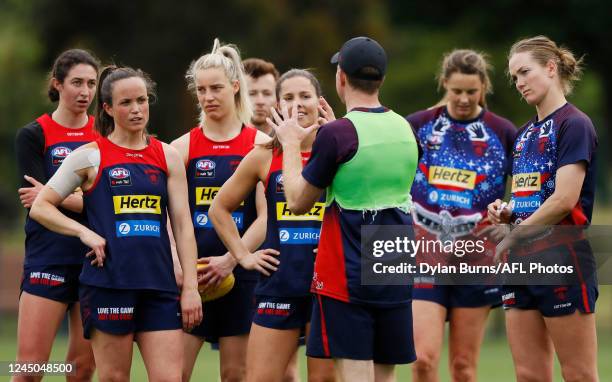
(361, 332)
(283, 312)
(458, 296)
(55, 282)
(123, 311)
(230, 315)
(552, 300)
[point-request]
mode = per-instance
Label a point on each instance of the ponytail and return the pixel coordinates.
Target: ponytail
(226, 57)
(543, 50)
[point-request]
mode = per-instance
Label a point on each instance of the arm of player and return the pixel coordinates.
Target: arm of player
(569, 179)
(181, 144)
(219, 267)
(300, 194)
(27, 195)
(234, 191)
(75, 171)
(29, 148)
(176, 262)
(178, 210)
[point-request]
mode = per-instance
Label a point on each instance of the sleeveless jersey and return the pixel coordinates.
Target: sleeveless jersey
(294, 236)
(127, 206)
(209, 166)
(44, 247)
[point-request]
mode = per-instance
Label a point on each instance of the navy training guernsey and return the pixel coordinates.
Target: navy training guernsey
(294, 236)
(210, 165)
(42, 246)
(127, 206)
(564, 137)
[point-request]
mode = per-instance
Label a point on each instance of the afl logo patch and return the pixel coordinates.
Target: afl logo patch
(119, 176)
(279, 184)
(58, 155)
(205, 168)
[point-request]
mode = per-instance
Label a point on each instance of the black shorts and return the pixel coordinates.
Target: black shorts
(283, 312)
(361, 332)
(123, 311)
(230, 315)
(55, 282)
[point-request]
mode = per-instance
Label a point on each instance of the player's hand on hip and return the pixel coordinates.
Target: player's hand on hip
(263, 261)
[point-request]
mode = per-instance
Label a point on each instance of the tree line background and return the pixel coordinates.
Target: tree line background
(163, 37)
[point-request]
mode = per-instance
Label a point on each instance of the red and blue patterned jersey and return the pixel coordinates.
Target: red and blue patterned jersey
(464, 167)
(44, 247)
(127, 205)
(565, 137)
(209, 166)
(464, 164)
(294, 236)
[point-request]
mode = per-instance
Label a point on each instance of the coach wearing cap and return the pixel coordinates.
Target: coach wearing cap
(366, 161)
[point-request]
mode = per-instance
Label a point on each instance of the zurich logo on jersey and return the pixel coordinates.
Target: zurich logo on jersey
(205, 168)
(201, 219)
(130, 228)
(58, 155)
(119, 176)
(297, 236)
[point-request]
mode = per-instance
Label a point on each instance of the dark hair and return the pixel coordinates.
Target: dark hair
(274, 144)
(104, 123)
(256, 67)
(466, 61)
(62, 65)
(366, 86)
(543, 49)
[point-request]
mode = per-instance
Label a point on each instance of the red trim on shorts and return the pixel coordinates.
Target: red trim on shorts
(324, 337)
(585, 297)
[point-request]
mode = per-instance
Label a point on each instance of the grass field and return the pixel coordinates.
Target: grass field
(495, 359)
(495, 362)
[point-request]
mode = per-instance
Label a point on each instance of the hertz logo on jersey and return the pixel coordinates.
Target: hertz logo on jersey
(529, 181)
(205, 195)
(448, 176)
(137, 204)
(315, 213)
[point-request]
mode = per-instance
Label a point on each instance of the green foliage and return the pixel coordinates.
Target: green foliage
(162, 38)
(21, 97)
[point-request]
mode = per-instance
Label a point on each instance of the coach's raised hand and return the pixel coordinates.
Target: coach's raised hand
(287, 127)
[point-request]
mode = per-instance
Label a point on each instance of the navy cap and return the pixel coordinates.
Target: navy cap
(358, 53)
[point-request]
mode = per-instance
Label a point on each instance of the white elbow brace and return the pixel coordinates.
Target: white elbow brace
(66, 180)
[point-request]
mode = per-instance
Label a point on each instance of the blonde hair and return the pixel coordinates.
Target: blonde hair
(465, 61)
(543, 50)
(226, 57)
